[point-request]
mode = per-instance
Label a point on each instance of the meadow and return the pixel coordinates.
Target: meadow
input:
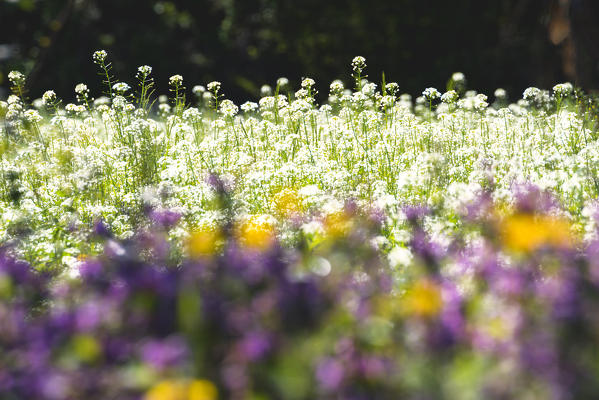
(372, 247)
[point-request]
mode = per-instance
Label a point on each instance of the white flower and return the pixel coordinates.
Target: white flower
(563, 89)
(500, 93)
(16, 78)
(214, 86)
(458, 77)
(369, 88)
(175, 80)
(121, 87)
(144, 71)
(32, 116)
(192, 114)
(392, 88)
(49, 97)
(358, 64)
(228, 108)
(74, 108)
(249, 106)
(431, 94)
(99, 56)
(282, 82)
(81, 89)
(307, 83)
(337, 87)
(449, 97)
(265, 90)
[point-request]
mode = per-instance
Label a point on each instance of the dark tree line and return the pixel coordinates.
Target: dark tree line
(245, 43)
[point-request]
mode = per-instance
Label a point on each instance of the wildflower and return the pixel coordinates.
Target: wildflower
(265, 90)
(369, 89)
(192, 114)
(526, 232)
(287, 202)
(257, 232)
(358, 64)
(458, 77)
(81, 89)
(308, 83)
(500, 94)
(99, 56)
(121, 87)
(449, 97)
(228, 108)
(204, 241)
(74, 108)
(16, 77)
(563, 89)
(32, 116)
(422, 299)
(338, 224)
(182, 390)
(249, 106)
(175, 80)
(392, 88)
(431, 94)
(144, 71)
(337, 87)
(302, 94)
(214, 86)
(480, 102)
(282, 82)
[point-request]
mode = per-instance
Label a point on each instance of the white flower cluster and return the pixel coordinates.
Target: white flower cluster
(358, 64)
(431, 94)
(121, 87)
(563, 89)
(16, 78)
(175, 80)
(99, 56)
(81, 89)
(213, 86)
(144, 71)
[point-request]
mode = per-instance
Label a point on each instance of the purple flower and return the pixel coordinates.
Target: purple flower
(330, 374)
(254, 346)
(164, 353)
(165, 218)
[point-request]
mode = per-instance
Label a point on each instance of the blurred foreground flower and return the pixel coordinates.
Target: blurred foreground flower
(422, 299)
(204, 241)
(528, 232)
(257, 232)
(182, 390)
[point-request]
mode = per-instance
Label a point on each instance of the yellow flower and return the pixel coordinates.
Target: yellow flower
(167, 390)
(422, 299)
(179, 389)
(338, 224)
(202, 390)
(286, 202)
(257, 232)
(204, 242)
(526, 232)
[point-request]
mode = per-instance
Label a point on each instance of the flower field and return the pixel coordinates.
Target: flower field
(372, 247)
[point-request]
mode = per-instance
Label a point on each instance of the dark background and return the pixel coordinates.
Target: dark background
(245, 43)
